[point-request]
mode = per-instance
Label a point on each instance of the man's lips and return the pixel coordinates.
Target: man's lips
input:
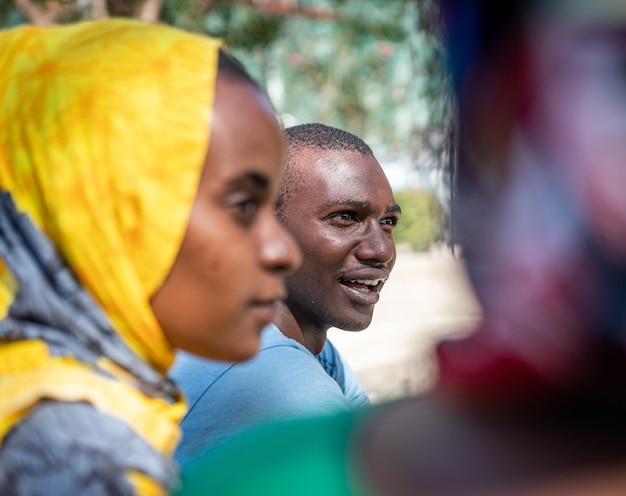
(365, 281)
(364, 287)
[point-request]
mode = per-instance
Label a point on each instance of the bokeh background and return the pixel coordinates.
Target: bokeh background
(376, 68)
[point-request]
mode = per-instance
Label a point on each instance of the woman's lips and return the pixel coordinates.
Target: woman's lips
(265, 311)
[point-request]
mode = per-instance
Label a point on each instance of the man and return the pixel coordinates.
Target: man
(338, 205)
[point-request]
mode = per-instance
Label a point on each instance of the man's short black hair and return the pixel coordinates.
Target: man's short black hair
(314, 136)
(322, 137)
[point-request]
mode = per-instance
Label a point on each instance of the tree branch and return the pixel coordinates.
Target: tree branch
(290, 8)
(35, 14)
(99, 9)
(149, 10)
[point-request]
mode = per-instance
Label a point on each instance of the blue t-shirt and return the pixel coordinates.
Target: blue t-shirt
(284, 380)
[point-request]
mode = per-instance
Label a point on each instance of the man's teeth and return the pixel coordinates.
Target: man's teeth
(367, 282)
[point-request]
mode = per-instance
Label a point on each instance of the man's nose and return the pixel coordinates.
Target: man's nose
(376, 246)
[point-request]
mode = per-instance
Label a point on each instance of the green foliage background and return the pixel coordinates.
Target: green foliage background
(375, 68)
(422, 220)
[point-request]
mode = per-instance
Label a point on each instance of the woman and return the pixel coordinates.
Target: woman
(139, 167)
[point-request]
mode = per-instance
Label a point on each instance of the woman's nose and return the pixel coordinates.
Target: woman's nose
(279, 251)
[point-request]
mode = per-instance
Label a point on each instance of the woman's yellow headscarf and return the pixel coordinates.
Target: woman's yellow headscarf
(104, 128)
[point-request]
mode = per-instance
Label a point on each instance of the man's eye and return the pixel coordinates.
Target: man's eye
(389, 222)
(343, 218)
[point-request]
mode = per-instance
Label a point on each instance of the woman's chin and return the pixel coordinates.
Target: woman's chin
(243, 350)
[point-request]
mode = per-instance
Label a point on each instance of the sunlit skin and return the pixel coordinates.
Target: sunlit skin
(342, 214)
(229, 273)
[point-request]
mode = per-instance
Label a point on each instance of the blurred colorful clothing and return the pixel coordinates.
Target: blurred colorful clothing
(307, 457)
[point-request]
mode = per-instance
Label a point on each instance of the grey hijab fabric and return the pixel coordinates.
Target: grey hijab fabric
(73, 446)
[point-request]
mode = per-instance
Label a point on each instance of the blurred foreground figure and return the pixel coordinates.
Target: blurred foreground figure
(531, 402)
(542, 212)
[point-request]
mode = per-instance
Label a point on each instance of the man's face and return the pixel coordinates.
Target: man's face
(342, 213)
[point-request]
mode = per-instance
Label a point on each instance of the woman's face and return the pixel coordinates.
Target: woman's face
(228, 275)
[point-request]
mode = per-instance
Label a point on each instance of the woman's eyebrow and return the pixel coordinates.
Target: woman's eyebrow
(250, 179)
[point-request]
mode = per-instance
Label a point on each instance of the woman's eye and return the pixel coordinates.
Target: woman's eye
(245, 210)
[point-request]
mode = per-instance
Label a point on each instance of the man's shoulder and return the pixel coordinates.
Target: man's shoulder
(187, 366)
(280, 360)
(272, 337)
(336, 367)
(280, 355)
(194, 374)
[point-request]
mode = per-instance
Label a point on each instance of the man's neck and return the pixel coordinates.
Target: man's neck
(312, 338)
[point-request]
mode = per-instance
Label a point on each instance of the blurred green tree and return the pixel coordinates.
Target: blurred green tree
(374, 68)
(421, 223)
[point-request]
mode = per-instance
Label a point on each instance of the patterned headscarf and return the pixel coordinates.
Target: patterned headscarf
(104, 130)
